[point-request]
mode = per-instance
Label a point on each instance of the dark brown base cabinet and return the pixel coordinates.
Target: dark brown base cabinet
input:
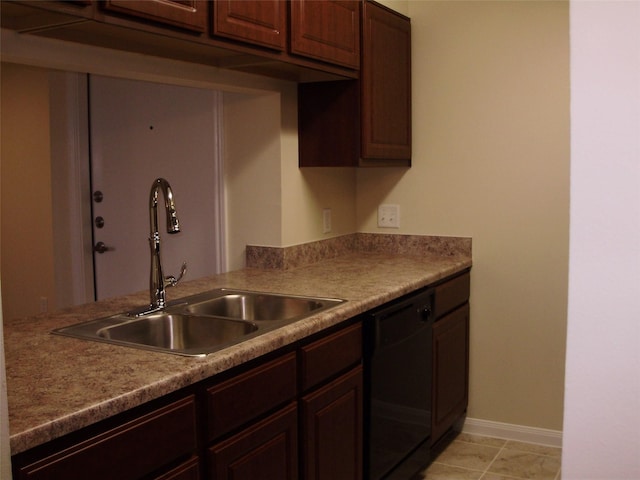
(267, 449)
(450, 389)
(332, 426)
(331, 406)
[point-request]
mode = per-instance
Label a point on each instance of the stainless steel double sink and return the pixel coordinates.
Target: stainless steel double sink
(203, 323)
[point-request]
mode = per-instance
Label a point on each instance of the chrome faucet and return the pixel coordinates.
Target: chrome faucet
(158, 281)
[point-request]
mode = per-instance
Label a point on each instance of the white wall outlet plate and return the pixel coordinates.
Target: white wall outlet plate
(389, 216)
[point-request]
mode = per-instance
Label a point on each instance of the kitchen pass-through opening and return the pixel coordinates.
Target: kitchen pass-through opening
(115, 136)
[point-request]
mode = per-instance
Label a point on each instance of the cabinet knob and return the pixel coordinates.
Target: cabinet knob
(425, 313)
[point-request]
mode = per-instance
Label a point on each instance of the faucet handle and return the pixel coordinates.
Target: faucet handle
(171, 281)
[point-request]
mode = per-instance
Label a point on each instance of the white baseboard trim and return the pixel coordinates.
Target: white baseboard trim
(541, 436)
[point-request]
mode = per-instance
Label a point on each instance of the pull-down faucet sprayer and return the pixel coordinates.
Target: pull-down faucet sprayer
(158, 282)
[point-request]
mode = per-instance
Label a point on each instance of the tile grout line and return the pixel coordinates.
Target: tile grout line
(481, 472)
(501, 449)
(486, 470)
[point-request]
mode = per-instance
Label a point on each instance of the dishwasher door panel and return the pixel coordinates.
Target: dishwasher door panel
(398, 380)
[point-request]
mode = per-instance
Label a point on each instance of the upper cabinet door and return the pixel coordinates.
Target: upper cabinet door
(187, 14)
(386, 84)
(326, 30)
(260, 22)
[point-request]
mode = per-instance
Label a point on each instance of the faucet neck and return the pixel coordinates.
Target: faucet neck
(161, 185)
(157, 280)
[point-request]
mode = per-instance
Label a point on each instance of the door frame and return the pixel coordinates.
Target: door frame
(71, 188)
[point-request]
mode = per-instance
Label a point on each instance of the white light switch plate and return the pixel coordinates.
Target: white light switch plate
(389, 216)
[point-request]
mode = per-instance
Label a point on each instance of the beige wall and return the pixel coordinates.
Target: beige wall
(491, 161)
(252, 172)
(27, 242)
(270, 201)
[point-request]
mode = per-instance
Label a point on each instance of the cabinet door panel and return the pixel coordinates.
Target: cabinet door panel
(189, 470)
(327, 31)
(332, 429)
(267, 450)
(261, 22)
(386, 84)
(187, 14)
(450, 370)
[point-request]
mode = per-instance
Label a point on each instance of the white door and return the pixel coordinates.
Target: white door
(141, 131)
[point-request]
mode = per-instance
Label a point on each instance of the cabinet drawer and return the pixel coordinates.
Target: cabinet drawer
(451, 294)
(128, 451)
(331, 355)
(245, 397)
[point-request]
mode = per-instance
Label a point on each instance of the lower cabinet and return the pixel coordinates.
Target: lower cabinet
(298, 416)
(267, 449)
(262, 444)
(450, 370)
(332, 429)
(250, 395)
(450, 344)
(331, 406)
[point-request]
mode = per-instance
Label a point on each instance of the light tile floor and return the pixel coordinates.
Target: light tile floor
(474, 457)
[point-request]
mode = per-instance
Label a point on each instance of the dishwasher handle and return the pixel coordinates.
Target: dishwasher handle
(396, 323)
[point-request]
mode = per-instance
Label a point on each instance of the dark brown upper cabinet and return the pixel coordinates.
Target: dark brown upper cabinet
(328, 31)
(262, 22)
(385, 85)
(187, 14)
(365, 122)
(299, 40)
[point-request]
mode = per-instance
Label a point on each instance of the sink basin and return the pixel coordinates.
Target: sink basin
(203, 323)
(189, 335)
(178, 332)
(256, 306)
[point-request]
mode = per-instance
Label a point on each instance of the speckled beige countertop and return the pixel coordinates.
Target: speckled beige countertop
(56, 384)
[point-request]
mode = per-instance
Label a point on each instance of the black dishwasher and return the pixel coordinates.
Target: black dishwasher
(398, 360)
